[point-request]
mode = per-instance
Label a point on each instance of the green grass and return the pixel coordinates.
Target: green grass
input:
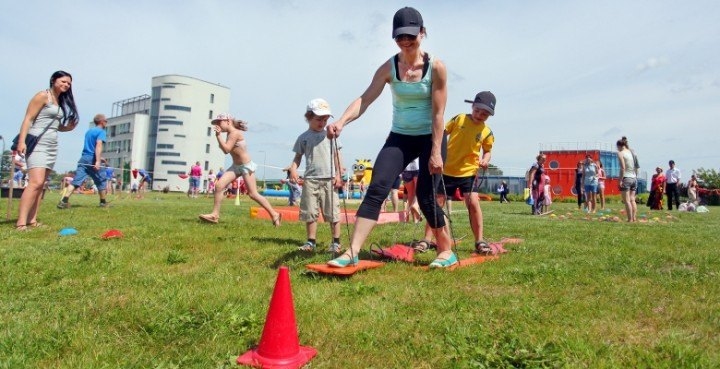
(175, 293)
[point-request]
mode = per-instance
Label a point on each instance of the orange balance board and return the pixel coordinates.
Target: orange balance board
(349, 270)
(397, 252)
(292, 214)
(472, 260)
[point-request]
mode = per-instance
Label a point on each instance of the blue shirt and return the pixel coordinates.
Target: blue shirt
(91, 138)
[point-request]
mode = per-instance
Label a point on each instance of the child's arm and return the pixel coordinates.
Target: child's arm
(292, 170)
(227, 145)
(485, 159)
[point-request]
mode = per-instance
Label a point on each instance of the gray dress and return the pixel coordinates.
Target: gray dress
(45, 152)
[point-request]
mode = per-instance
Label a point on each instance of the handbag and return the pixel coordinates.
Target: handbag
(30, 140)
(30, 143)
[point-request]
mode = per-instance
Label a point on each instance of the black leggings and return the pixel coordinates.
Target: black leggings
(399, 150)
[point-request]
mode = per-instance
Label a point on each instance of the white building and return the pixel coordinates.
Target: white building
(128, 130)
(168, 132)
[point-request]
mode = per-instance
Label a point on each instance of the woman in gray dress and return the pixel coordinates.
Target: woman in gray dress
(48, 112)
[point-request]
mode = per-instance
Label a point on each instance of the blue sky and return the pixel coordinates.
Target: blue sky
(562, 71)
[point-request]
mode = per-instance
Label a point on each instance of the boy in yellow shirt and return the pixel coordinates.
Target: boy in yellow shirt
(469, 143)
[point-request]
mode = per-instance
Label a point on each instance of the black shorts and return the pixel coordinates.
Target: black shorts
(409, 175)
(465, 184)
(396, 184)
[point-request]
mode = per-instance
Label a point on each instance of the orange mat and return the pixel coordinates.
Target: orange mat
(349, 270)
(292, 214)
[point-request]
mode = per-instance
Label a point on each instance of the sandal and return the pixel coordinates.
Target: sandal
(308, 246)
(422, 245)
(35, 225)
(482, 247)
(208, 218)
(21, 228)
(444, 263)
(277, 220)
(343, 261)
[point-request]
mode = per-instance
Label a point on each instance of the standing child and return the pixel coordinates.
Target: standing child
(322, 175)
(243, 166)
(469, 142)
(548, 195)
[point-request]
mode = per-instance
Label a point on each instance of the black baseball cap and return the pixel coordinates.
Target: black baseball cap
(485, 100)
(407, 21)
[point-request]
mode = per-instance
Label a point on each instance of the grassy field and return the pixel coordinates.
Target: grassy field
(176, 293)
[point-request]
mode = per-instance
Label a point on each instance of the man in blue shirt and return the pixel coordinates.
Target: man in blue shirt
(89, 163)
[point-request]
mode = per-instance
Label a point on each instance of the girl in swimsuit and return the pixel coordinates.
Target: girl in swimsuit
(243, 166)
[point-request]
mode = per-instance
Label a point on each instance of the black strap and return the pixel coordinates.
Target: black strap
(426, 65)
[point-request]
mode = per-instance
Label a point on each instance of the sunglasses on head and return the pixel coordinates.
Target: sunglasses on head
(405, 37)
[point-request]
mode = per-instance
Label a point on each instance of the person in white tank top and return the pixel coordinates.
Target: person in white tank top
(628, 183)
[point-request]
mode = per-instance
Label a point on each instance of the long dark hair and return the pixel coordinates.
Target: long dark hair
(66, 100)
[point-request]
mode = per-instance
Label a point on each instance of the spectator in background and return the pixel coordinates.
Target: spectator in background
(195, 179)
(503, 190)
(692, 187)
(672, 180)
(590, 183)
(601, 184)
(628, 183)
(657, 190)
(579, 184)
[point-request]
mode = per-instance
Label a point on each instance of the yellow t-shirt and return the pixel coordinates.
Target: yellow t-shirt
(465, 139)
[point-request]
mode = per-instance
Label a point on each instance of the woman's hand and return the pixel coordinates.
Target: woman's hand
(21, 147)
(435, 164)
(333, 130)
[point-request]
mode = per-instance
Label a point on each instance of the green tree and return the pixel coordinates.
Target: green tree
(5, 165)
(493, 170)
(709, 177)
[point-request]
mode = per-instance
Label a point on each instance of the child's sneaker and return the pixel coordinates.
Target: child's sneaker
(334, 248)
(63, 205)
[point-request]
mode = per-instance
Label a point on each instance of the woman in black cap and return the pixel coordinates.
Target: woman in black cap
(418, 82)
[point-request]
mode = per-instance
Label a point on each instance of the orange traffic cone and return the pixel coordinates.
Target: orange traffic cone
(279, 346)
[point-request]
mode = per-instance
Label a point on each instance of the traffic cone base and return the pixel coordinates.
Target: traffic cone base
(255, 359)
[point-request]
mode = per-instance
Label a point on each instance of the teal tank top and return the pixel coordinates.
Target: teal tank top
(412, 103)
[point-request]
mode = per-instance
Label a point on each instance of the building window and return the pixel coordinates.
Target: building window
(173, 162)
(209, 131)
(554, 164)
(557, 190)
(167, 154)
(212, 98)
(163, 122)
(207, 148)
(163, 129)
(177, 107)
(181, 136)
(210, 116)
(207, 165)
(165, 146)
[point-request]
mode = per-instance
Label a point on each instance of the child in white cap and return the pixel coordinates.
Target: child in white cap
(322, 175)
